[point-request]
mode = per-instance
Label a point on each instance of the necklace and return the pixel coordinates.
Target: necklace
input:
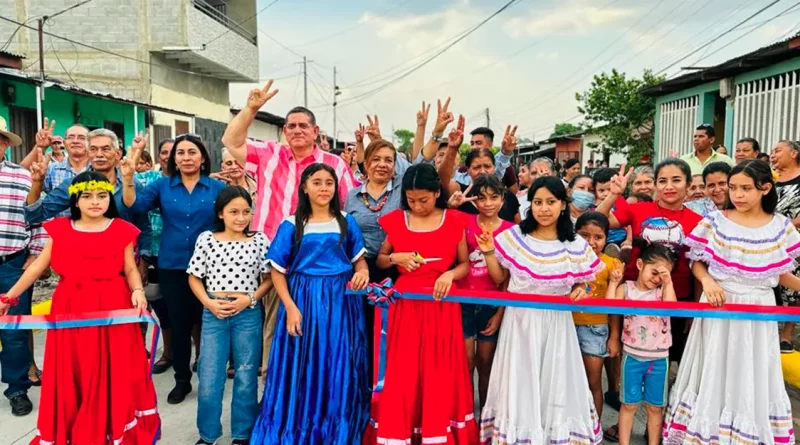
(376, 208)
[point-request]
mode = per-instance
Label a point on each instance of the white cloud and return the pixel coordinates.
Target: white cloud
(569, 19)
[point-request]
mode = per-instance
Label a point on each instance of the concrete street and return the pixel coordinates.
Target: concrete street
(179, 420)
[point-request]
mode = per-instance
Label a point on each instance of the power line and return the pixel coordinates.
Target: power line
(718, 37)
(104, 51)
(350, 28)
(492, 63)
(230, 28)
(430, 59)
(587, 66)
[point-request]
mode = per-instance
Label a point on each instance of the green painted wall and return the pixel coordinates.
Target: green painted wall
(67, 108)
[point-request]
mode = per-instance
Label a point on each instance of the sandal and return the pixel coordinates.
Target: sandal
(162, 365)
(612, 434)
(35, 378)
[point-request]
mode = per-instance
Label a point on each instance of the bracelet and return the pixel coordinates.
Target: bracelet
(488, 252)
(253, 301)
(8, 300)
(138, 288)
(391, 260)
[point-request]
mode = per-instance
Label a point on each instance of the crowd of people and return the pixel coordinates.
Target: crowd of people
(248, 272)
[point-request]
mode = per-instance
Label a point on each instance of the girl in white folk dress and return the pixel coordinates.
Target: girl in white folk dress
(730, 386)
(538, 391)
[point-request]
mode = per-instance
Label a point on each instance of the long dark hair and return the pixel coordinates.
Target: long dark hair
(564, 227)
(423, 177)
(304, 203)
(75, 211)
(224, 198)
(172, 166)
(761, 174)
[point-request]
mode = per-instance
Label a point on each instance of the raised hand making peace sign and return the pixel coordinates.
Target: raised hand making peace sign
(374, 128)
(359, 133)
(128, 164)
(443, 117)
(620, 181)
(485, 239)
(458, 198)
(510, 140)
(422, 115)
(40, 165)
(456, 136)
(259, 96)
(44, 137)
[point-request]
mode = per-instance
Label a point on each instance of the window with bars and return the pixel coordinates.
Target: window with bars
(677, 122)
(768, 109)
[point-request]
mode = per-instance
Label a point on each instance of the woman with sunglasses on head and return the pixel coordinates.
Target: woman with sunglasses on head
(186, 200)
(785, 159)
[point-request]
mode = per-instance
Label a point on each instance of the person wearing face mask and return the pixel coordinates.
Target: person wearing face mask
(581, 194)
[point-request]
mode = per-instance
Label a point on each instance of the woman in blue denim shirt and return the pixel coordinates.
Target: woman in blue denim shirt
(186, 201)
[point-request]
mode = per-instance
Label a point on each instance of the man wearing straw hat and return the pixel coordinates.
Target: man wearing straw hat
(20, 244)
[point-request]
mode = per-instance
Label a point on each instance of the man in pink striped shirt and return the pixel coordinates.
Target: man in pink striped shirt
(276, 167)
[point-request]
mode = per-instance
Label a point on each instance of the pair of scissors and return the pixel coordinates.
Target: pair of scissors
(418, 258)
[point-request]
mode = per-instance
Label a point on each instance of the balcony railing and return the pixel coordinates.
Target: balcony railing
(219, 13)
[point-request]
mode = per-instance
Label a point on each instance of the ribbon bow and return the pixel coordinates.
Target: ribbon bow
(381, 295)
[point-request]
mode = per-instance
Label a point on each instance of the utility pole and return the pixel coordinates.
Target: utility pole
(41, 48)
(305, 82)
(336, 92)
(488, 119)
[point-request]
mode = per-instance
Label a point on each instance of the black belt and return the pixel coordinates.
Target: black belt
(8, 258)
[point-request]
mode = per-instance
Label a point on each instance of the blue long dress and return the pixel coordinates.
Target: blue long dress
(317, 389)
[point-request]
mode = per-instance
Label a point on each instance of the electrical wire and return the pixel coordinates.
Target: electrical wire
(55, 53)
(717, 37)
(429, 59)
(239, 24)
(104, 51)
(350, 28)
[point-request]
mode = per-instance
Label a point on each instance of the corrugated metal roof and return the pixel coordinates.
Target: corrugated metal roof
(52, 83)
(13, 55)
(769, 55)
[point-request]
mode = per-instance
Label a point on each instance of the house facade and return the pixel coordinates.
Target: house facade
(755, 95)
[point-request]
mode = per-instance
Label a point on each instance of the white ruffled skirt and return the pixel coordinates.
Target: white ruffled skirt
(538, 392)
(730, 387)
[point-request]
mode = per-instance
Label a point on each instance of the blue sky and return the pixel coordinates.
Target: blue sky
(525, 65)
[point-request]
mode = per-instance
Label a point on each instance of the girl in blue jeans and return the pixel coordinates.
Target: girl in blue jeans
(228, 273)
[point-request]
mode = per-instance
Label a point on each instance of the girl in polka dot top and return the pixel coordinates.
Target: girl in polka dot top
(228, 273)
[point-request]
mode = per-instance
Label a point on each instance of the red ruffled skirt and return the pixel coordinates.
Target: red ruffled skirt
(96, 383)
(427, 396)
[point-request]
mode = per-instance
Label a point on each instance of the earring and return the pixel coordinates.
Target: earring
(202, 167)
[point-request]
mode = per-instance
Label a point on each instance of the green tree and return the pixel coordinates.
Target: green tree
(565, 128)
(404, 139)
(614, 109)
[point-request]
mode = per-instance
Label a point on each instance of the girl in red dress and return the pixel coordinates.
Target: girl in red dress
(427, 392)
(96, 388)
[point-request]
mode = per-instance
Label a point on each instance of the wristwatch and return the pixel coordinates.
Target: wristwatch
(253, 301)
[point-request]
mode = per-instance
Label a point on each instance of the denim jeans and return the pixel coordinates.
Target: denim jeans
(242, 334)
(15, 358)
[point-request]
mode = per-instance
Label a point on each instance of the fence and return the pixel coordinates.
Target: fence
(768, 109)
(676, 127)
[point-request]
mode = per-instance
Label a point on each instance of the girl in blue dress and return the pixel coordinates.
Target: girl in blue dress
(317, 388)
